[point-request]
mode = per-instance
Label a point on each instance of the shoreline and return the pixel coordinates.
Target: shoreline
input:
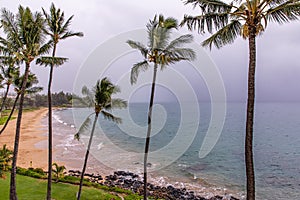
(68, 147)
(33, 147)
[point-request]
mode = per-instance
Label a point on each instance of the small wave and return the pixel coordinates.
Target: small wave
(57, 118)
(183, 166)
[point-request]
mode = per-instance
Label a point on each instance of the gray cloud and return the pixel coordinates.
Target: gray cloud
(278, 68)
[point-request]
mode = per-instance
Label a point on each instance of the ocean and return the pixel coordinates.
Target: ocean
(176, 160)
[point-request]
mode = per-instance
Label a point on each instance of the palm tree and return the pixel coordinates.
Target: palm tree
(8, 74)
(57, 29)
(30, 89)
(161, 52)
(101, 99)
(58, 171)
(248, 19)
(24, 42)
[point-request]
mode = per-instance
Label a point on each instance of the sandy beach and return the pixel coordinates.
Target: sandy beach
(31, 133)
(33, 144)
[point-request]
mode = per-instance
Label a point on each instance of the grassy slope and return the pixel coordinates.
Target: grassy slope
(35, 189)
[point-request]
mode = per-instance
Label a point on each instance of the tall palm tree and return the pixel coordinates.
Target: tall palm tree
(248, 19)
(161, 52)
(101, 99)
(24, 42)
(30, 89)
(58, 29)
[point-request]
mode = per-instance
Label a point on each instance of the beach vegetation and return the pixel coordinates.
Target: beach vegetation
(8, 72)
(248, 19)
(99, 98)
(5, 159)
(30, 89)
(160, 52)
(59, 171)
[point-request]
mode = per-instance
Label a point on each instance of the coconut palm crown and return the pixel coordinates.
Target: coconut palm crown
(238, 18)
(160, 50)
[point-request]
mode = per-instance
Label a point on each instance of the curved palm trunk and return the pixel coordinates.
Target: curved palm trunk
(250, 116)
(4, 98)
(87, 156)
(147, 145)
(11, 113)
(13, 191)
(50, 128)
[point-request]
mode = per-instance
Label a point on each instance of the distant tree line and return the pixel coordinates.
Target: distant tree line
(40, 100)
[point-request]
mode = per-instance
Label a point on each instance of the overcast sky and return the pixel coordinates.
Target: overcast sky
(278, 66)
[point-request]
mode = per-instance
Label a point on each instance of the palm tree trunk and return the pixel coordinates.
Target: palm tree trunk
(250, 116)
(147, 145)
(11, 113)
(4, 98)
(50, 128)
(87, 156)
(13, 191)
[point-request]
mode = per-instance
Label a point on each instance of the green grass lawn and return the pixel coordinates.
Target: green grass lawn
(4, 118)
(35, 189)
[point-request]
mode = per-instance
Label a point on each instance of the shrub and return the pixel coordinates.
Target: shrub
(39, 171)
(35, 173)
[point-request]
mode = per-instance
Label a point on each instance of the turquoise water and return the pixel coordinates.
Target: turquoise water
(276, 146)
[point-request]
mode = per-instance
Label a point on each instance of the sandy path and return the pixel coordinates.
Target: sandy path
(31, 133)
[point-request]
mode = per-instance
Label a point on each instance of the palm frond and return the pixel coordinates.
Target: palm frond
(160, 37)
(118, 103)
(273, 2)
(210, 5)
(71, 34)
(48, 61)
(111, 117)
(84, 126)
(178, 54)
(136, 69)
(159, 31)
(65, 26)
(85, 91)
(34, 90)
(288, 11)
(167, 23)
(224, 36)
(45, 48)
(88, 100)
(209, 21)
(139, 46)
(178, 42)
(8, 23)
